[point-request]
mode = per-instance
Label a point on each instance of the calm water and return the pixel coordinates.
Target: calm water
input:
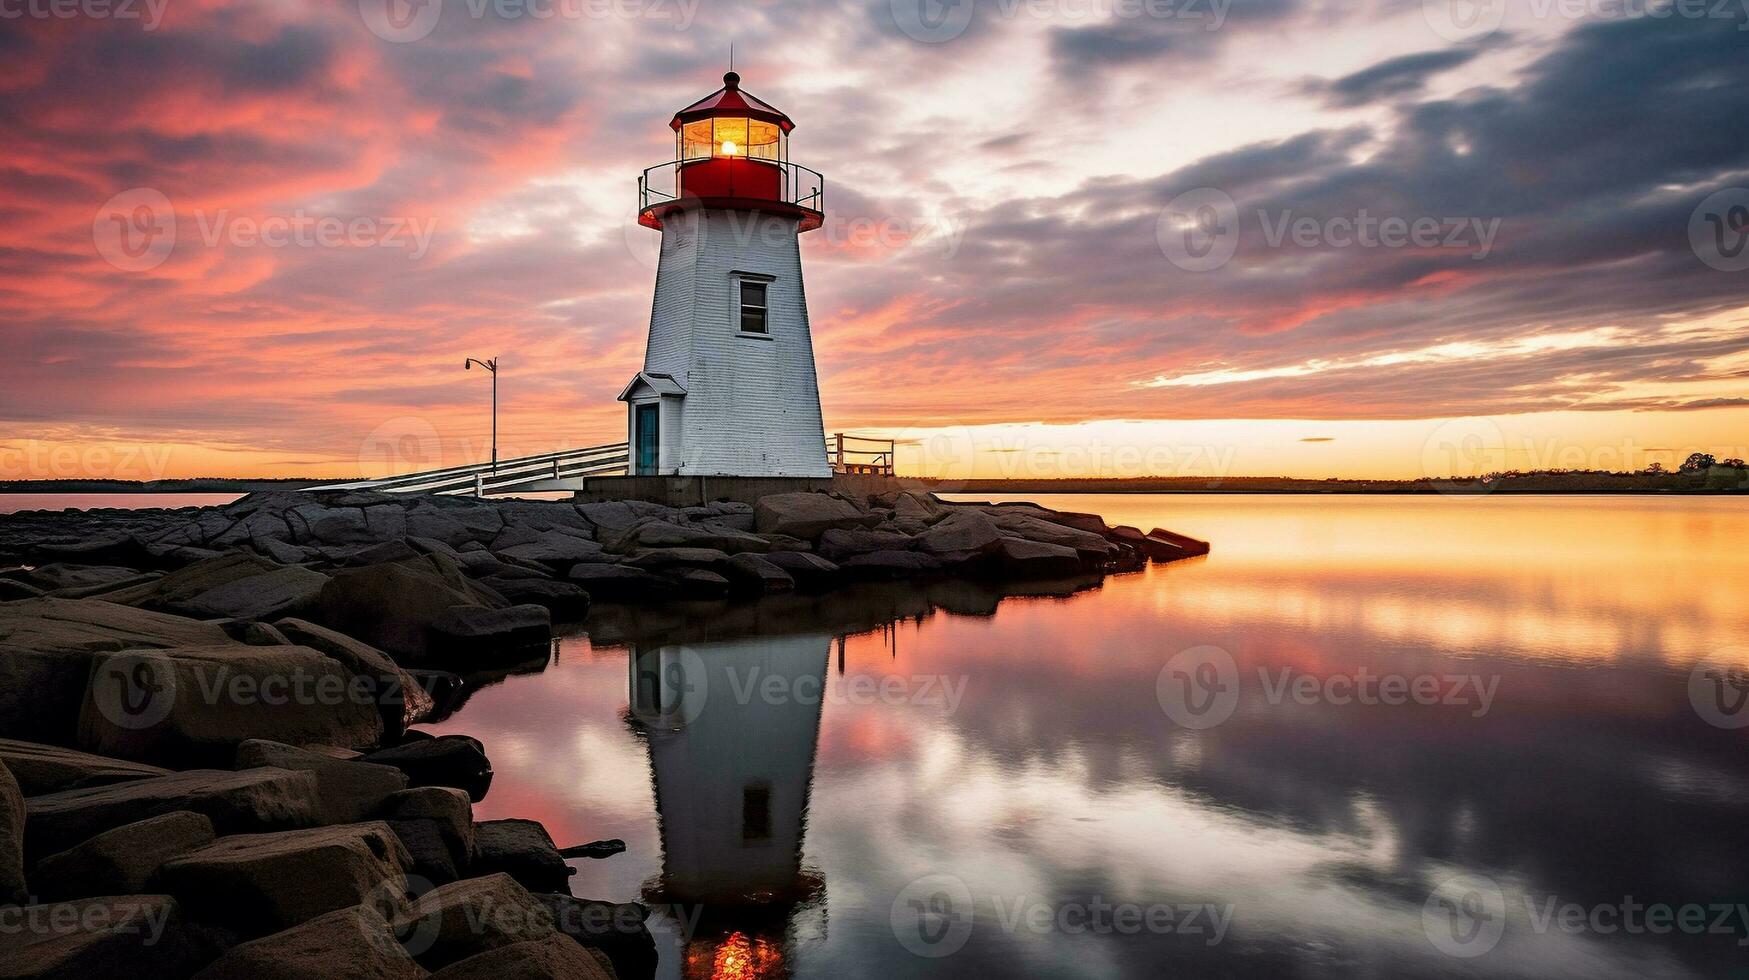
(1054, 786)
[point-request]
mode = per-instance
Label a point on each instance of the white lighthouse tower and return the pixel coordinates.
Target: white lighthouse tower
(728, 386)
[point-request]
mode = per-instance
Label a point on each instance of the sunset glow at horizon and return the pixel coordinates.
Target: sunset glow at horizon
(258, 239)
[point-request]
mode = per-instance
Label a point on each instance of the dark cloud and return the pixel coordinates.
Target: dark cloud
(1397, 77)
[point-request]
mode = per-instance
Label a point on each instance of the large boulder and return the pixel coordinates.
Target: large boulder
(398, 607)
(400, 699)
(13, 890)
(891, 565)
(612, 517)
(561, 547)
(235, 802)
(620, 583)
(353, 943)
(465, 635)
(448, 808)
(523, 850)
(201, 702)
(961, 530)
(1021, 558)
(456, 761)
(839, 543)
(651, 533)
(471, 916)
(259, 884)
(565, 601)
(46, 653)
(122, 861)
(811, 572)
(349, 790)
(59, 576)
(552, 957)
(141, 937)
(42, 769)
(805, 515)
(238, 585)
(614, 929)
(1025, 523)
(754, 575)
(431, 860)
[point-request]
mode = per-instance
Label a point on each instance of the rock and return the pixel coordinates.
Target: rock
(566, 602)
(349, 790)
(399, 697)
(354, 943)
(651, 533)
(805, 515)
(263, 883)
(56, 576)
(338, 525)
(13, 890)
(92, 625)
(122, 861)
(394, 549)
(1190, 546)
(235, 802)
(472, 916)
(1088, 523)
(701, 583)
(256, 634)
(753, 574)
(394, 606)
(1016, 522)
(810, 572)
(201, 702)
(424, 520)
(445, 806)
(554, 547)
(667, 559)
(523, 850)
(42, 769)
(1036, 559)
(962, 530)
(12, 590)
(620, 583)
(612, 517)
(837, 543)
(553, 957)
(891, 564)
(239, 585)
(141, 937)
(594, 849)
(542, 515)
(617, 931)
(464, 633)
(449, 760)
(430, 856)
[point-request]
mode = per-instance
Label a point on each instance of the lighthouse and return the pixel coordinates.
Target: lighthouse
(728, 386)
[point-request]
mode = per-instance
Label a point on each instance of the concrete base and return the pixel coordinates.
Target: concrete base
(691, 491)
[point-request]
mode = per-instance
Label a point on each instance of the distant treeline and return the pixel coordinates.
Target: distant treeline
(200, 484)
(1715, 478)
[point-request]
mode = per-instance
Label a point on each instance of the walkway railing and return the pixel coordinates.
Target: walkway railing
(507, 476)
(858, 454)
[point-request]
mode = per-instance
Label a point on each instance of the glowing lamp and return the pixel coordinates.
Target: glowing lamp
(729, 148)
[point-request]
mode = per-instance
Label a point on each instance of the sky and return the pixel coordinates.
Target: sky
(1386, 238)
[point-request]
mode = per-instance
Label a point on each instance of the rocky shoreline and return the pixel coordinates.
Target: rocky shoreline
(208, 765)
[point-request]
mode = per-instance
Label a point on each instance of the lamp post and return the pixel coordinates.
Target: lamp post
(491, 365)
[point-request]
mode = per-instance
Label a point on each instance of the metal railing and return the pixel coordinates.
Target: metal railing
(798, 185)
(510, 475)
(876, 460)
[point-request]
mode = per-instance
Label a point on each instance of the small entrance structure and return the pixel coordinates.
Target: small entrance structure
(728, 386)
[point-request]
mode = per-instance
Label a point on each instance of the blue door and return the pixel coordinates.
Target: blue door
(649, 439)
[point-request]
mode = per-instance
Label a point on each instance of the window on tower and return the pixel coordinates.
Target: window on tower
(753, 308)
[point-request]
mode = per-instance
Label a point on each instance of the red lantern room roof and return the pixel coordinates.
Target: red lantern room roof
(731, 101)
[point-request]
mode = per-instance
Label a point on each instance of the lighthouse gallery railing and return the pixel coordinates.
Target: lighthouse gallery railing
(800, 186)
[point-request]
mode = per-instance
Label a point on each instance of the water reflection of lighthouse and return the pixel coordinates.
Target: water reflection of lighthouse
(732, 729)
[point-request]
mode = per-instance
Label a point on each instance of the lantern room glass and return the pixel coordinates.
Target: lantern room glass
(732, 136)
